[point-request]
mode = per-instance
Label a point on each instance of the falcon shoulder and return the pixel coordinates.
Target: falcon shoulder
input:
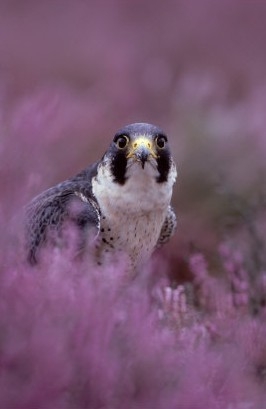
(168, 227)
(70, 201)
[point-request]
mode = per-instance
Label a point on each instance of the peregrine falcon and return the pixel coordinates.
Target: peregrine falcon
(122, 201)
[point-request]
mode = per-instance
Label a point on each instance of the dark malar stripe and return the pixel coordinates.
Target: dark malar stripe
(164, 163)
(118, 167)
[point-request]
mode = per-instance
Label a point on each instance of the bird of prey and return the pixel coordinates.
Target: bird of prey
(123, 200)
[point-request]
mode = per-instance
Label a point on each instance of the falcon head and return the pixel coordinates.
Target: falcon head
(140, 148)
(137, 172)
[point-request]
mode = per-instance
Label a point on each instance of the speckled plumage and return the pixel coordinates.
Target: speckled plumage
(123, 201)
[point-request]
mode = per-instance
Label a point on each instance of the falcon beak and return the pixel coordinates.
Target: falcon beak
(142, 149)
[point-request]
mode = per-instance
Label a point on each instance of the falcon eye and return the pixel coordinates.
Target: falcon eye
(161, 141)
(122, 141)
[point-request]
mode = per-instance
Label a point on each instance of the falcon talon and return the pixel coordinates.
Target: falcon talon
(123, 200)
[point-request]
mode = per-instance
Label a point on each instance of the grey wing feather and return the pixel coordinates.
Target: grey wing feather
(70, 200)
(168, 228)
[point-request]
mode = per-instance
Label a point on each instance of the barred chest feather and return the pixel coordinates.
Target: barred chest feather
(137, 238)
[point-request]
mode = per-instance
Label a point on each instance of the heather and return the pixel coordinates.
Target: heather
(189, 331)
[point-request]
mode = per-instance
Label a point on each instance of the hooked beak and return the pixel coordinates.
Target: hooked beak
(142, 149)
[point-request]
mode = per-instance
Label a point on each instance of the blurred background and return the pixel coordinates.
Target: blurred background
(72, 72)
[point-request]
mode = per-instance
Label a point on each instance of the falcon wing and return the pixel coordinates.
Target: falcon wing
(71, 201)
(168, 228)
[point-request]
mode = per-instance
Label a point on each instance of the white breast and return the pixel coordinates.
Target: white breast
(133, 213)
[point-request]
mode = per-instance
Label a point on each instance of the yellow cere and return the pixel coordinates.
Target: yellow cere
(142, 142)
